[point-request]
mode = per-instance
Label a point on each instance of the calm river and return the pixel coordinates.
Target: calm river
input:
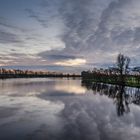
(67, 109)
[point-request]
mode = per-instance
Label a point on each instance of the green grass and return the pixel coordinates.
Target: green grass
(131, 81)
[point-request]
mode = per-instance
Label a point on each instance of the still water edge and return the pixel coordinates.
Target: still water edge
(62, 109)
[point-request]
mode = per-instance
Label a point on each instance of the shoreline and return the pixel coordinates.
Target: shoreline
(10, 76)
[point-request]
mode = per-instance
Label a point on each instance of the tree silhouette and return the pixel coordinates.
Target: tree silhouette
(122, 66)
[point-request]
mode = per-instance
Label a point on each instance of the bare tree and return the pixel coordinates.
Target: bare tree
(122, 65)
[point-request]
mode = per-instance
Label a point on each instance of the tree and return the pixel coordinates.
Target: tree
(122, 66)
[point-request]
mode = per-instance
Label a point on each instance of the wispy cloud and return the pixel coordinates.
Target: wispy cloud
(7, 37)
(71, 33)
(37, 17)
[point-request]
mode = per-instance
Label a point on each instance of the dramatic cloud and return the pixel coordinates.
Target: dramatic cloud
(54, 55)
(60, 31)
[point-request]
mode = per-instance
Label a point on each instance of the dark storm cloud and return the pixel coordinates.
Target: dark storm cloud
(56, 55)
(59, 57)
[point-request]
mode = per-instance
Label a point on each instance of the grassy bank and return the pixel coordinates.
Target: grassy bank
(129, 80)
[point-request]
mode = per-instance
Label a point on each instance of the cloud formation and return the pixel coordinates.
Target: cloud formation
(37, 17)
(62, 110)
(59, 30)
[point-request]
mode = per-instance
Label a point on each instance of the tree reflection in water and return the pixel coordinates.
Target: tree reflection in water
(122, 96)
(122, 101)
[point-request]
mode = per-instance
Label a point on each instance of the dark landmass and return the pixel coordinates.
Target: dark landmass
(4, 73)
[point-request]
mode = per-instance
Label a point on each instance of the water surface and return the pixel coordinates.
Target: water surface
(67, 109)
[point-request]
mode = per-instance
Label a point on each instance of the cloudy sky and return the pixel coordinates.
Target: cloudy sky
(68, 35)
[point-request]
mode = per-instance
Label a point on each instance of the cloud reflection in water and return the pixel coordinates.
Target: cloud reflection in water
(79, 116)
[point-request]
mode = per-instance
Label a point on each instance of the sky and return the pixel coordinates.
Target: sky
(68, 35)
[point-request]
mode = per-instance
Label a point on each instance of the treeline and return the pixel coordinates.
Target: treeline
(129, 80)
(4, 73)
(119, 75)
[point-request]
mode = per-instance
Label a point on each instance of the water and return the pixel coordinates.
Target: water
(67, 109)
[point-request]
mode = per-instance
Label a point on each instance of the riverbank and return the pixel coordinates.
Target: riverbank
(129, 80)
(8, 76)
(109, 82)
